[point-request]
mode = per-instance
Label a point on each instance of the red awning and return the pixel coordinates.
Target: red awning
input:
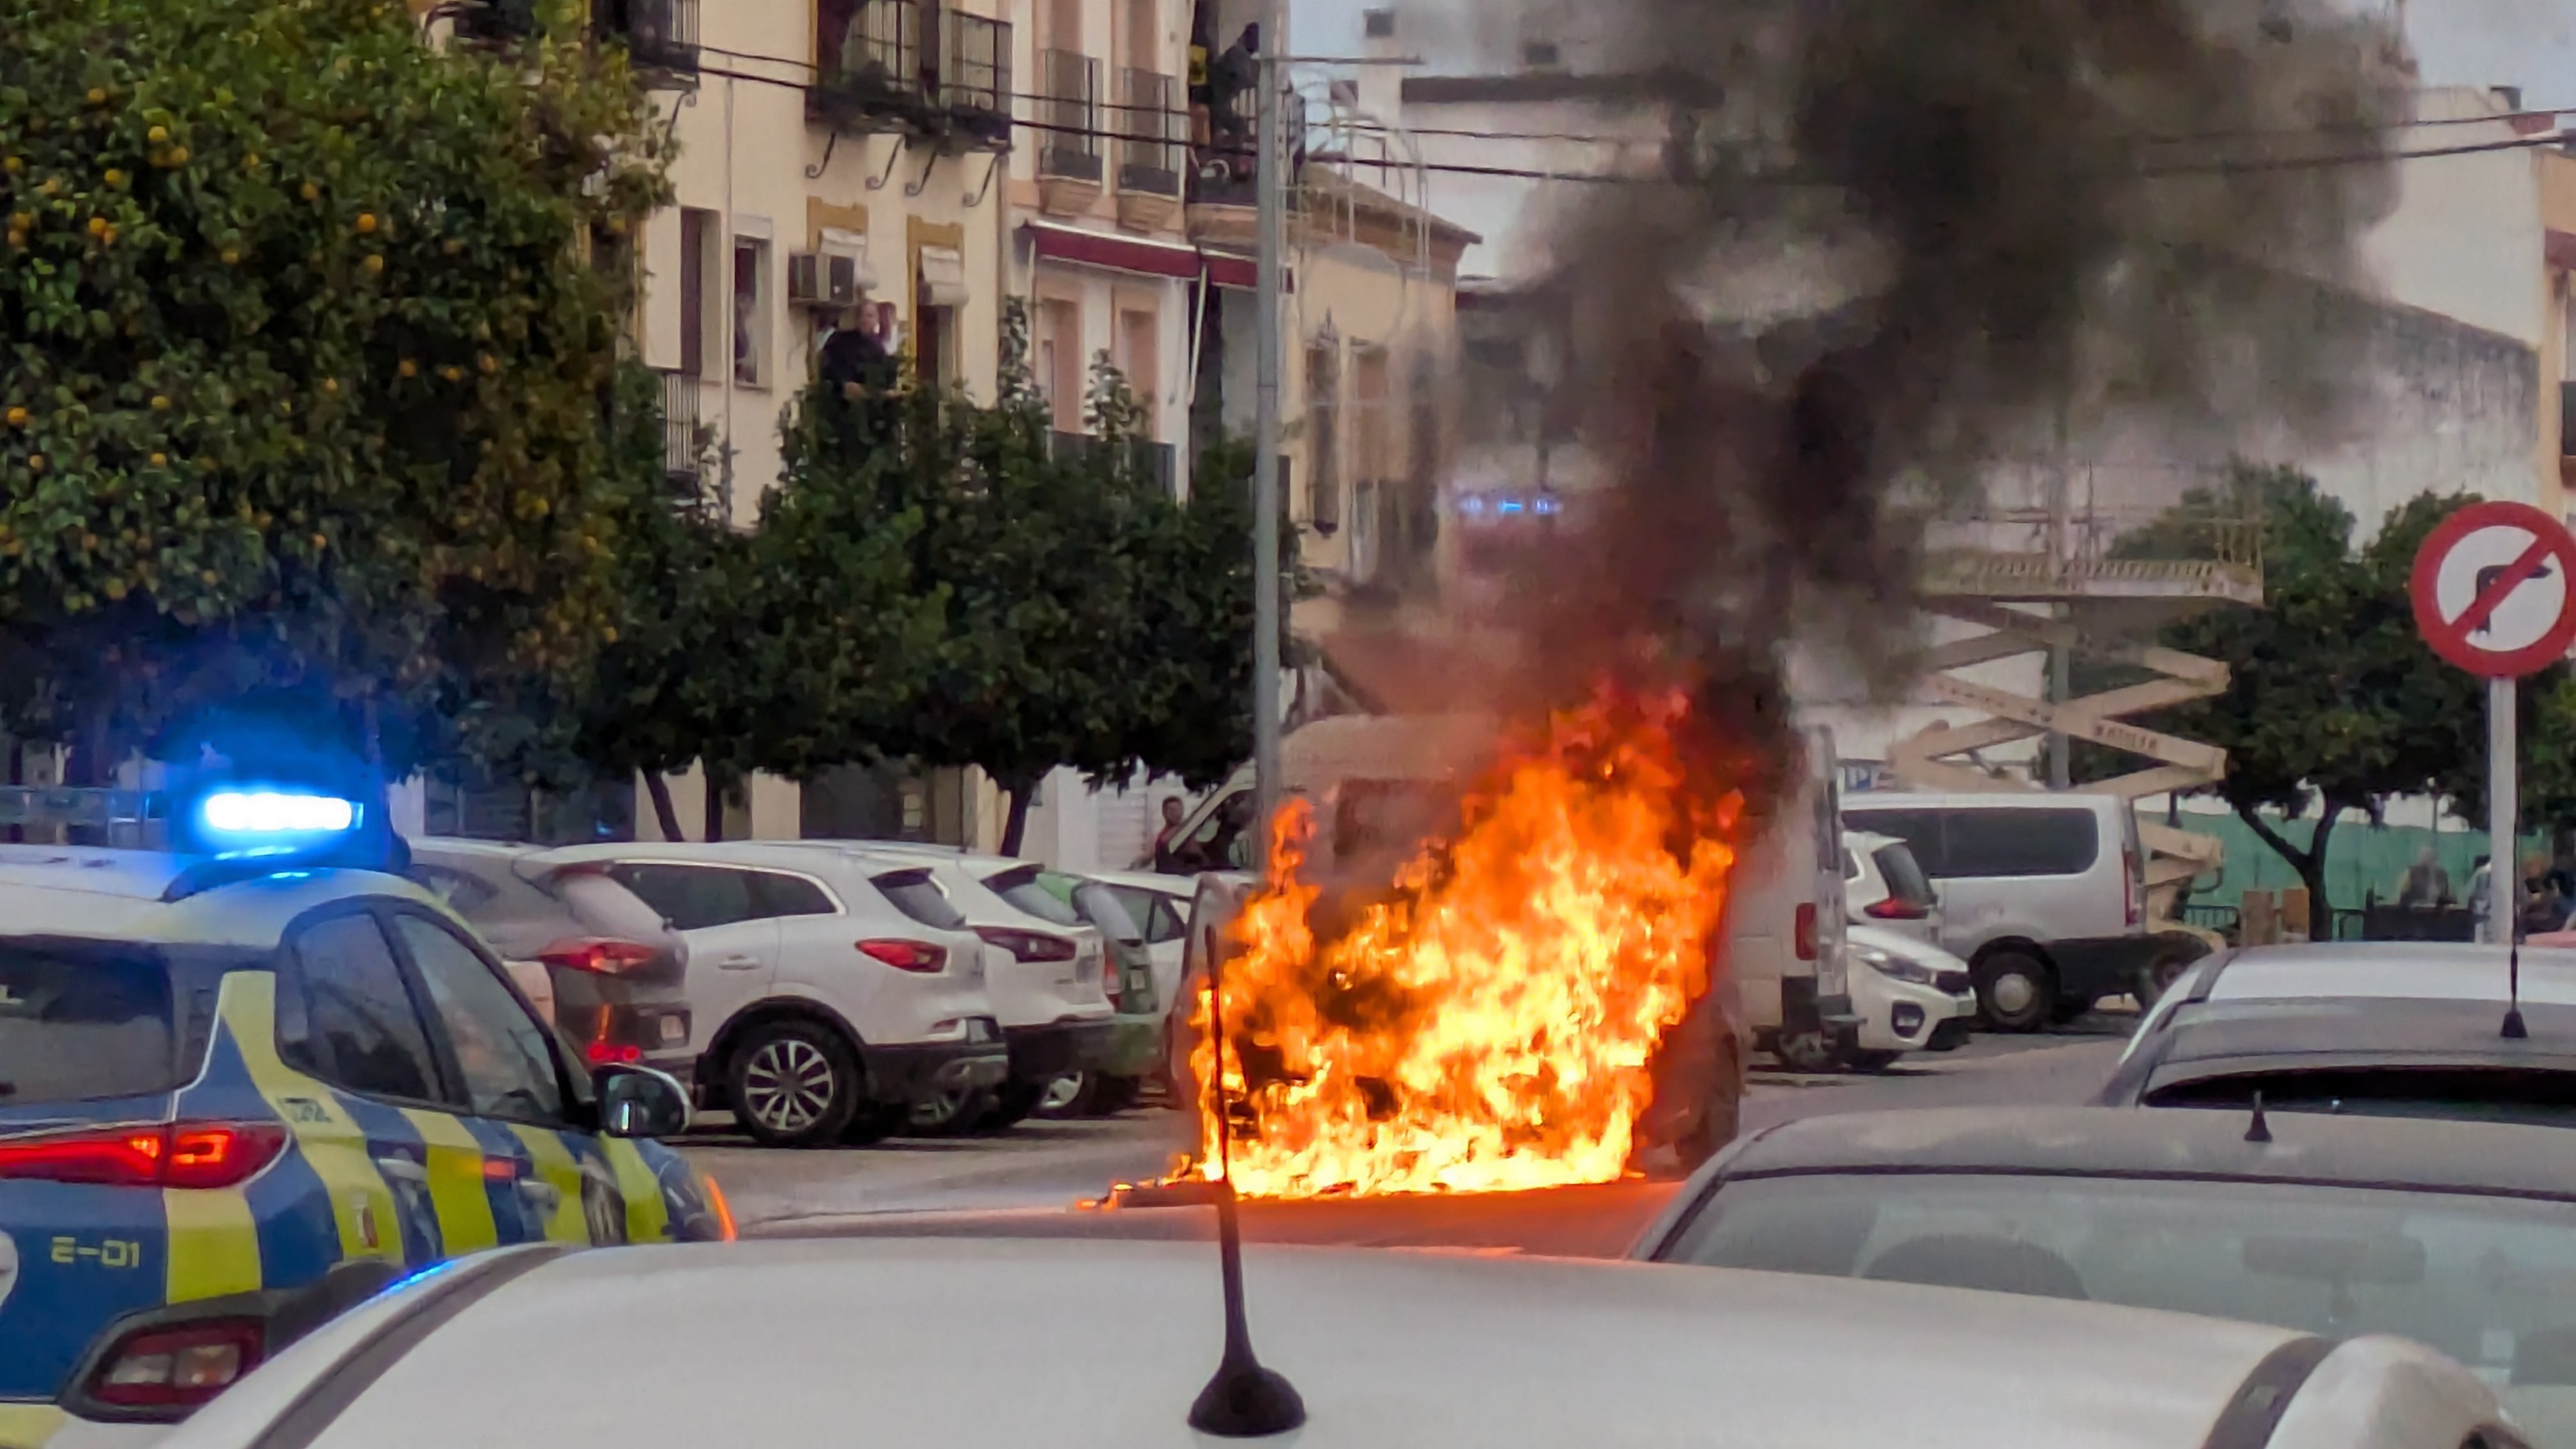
(1077, 247)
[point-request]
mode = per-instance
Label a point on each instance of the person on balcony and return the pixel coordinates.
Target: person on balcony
(1233, 77)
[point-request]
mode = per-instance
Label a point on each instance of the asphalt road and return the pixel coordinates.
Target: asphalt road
(1043, 1166)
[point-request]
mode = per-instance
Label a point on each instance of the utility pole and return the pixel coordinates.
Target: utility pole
(1265, 432)
(2061, 683)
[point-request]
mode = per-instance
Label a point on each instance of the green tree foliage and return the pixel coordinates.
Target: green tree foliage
(2335, 701)
(303, 362)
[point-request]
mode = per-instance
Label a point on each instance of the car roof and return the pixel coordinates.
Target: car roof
(81, 893)
(786, 855)
(1144, 880)
(2255, 1035)
(2445, 1156)
(760, 1342)
(2390, 970)
(1976, 800)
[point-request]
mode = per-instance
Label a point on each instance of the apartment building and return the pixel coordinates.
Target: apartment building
(1097, 244)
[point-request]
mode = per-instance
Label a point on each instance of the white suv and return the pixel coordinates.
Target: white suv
(1054, 1010)
(827, 993)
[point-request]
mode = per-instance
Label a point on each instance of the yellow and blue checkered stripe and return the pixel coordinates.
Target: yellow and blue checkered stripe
(362, 1180)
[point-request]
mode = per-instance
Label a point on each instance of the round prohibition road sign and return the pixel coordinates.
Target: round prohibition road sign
(2492, 590)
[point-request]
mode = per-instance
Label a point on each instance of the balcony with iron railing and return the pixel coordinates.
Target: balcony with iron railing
(660, 36)
(1146, 458)
(1152, 132)
(1069, 117)
(683, 440)
(1221, 159)
(918, 67)
(869, 65)
(973, 68)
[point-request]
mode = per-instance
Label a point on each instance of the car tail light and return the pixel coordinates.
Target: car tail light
(1896, 908)
(908, 955)
(1806, 930)
(180, 1154)
(1029, 945)
(600, 955)
(613, 1054)
(2129, 874)
(178, 1367)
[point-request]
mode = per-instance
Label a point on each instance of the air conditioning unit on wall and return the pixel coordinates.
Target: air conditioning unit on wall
(822, 279)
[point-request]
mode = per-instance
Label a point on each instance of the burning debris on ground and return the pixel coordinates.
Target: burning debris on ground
(1890, 245)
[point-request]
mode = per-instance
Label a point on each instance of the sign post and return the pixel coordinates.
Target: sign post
(2492, 595)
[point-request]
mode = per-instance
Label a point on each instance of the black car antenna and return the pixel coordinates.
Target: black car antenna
(1244, 1400)
(2260, 1129)
(2514, 1030)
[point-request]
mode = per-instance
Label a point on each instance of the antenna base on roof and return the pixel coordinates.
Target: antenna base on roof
(1246, 1401)
(2514, 1030)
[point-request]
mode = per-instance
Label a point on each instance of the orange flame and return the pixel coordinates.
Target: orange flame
(1490, 1025)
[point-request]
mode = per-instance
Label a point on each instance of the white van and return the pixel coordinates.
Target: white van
(1785, 978)
(2043, 894)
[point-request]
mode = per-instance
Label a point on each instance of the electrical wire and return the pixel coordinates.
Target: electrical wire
(2176, 138)
(2167, 171)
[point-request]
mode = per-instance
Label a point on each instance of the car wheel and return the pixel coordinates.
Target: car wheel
(1012, 1104)
(1116, 1094)
(947, 1113)
(794, 1084)
(1070, 1095)
(873, 1123)
(2014, 992)
(1807, 1051)
(2159, 975)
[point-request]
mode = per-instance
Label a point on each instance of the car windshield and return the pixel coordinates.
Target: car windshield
(915, 894)
(80, 1023)
(2501, 1093)
(2490, 1281)
(1023, 889)
(1905, 879)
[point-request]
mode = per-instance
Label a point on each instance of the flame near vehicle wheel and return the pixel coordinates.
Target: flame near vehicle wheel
(1490, 1022)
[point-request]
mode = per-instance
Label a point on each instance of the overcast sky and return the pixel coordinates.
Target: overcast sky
(2529, 43)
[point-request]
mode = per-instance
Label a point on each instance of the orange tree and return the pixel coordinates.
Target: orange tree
(304, 362)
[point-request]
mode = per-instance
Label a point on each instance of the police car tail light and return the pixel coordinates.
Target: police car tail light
(185, 1154)
(1029, 945)
(918, 956)
(599, 954)
(178, 1367)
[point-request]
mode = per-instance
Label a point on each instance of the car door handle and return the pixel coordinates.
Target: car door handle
(739, 963)
(403, 1169)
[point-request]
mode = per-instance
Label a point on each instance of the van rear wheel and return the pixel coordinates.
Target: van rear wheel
(2015, 991)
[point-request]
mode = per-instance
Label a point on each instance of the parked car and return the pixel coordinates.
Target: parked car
(1910, 996)
(593, 958)
(2458, 1236)
(1128, 977)
(2382, 1029)
(828, 991)
(1884, 887)
(1160, 904)
(2043, 895)
(1049, 993)
(791, 1343)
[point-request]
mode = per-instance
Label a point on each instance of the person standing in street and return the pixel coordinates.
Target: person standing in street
(2427, 885)
(2481, 903)
(1165, 838)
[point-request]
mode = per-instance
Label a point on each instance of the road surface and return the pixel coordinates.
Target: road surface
(1042, 1165)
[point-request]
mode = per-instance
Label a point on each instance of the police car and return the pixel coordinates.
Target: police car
(248, 1082)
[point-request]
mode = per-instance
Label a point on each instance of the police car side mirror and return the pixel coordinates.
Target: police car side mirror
(641, 1102)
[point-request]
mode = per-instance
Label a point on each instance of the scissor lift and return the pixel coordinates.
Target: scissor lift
(2063, 590)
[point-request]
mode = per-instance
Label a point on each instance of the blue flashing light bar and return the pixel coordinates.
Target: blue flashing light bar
(272, 821)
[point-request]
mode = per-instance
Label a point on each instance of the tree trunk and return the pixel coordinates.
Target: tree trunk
(1015, 821)
(715, 808)
(665, 814)
(2309, 863)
